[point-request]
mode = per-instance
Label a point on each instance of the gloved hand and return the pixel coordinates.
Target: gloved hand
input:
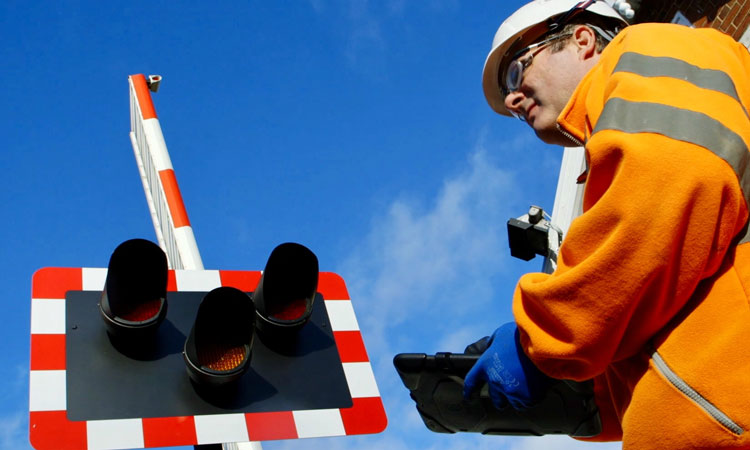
(510, 374)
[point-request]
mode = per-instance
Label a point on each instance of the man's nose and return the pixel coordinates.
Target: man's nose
(513, 102)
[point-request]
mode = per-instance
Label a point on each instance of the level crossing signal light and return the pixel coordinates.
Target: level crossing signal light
(285, 294)
(217, 352)
(218, 349)
(134, 301)
(104, 348)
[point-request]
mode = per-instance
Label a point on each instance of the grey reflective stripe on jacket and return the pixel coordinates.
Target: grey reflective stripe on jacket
(663, 66)
(676, 123)
(682, 125)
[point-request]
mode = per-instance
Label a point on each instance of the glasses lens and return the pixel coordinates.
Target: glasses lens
(513, 76)
(518, 116)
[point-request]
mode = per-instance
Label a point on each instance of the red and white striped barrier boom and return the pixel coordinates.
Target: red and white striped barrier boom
(173, 230)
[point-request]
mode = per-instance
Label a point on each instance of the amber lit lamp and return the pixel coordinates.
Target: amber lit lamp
(218, 350)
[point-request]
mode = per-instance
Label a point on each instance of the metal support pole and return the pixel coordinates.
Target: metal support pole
(568, 197)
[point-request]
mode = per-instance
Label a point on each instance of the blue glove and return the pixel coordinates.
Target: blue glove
(510, 374)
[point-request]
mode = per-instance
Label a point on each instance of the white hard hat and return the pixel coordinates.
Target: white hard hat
(527, 24)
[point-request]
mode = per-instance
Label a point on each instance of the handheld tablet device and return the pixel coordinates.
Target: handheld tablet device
(436, 384)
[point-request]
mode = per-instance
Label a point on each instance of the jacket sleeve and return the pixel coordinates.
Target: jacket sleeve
(662, 207)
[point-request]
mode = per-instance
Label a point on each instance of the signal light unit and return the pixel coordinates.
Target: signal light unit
(134, 300)
(218, 349)
(286, 292)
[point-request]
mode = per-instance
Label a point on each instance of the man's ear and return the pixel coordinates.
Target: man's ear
(585, 40)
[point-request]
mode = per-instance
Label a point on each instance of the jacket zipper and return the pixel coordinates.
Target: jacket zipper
(569, 136)
(691, 393)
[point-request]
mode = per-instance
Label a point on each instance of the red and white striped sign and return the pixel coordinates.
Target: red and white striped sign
(50, 428)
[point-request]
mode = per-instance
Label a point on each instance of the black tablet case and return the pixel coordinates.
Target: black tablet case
(436, 383)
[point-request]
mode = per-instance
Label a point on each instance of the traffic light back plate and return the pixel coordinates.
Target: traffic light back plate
(269, 404)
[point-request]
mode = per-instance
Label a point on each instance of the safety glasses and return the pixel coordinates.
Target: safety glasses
(514, 72)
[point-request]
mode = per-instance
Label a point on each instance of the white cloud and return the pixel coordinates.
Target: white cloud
(426, 278)
(461, 337)
(561, 443)
(364, 27)
(365, 44)
(427, 268)
(360, 23)
(14, 416)
(422, 281)
(14, 430)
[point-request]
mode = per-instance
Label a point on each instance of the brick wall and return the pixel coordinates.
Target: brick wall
(730, 16)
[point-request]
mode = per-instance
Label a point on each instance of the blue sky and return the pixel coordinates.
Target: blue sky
(357, 128)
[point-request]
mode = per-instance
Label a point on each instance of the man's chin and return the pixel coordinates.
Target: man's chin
(552, 136)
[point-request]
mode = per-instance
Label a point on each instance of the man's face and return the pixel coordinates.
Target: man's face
(546, 86)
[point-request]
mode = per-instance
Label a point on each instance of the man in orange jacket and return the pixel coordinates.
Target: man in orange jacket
(650, 295)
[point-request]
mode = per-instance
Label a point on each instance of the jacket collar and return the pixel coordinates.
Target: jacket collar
(574, 117)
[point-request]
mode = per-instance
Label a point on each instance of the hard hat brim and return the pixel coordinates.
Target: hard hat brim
(496, 61)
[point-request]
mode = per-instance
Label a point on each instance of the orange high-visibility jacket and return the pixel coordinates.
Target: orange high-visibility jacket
(650, 295)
